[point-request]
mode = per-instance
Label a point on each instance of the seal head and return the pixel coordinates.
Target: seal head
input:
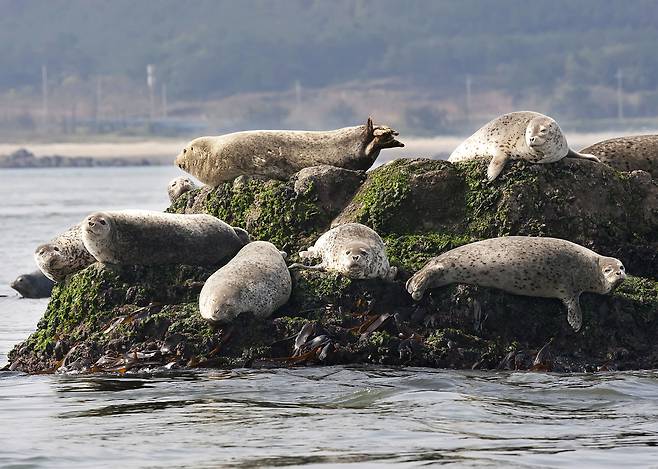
(33, 285)
(612, 273)
(544, 136)
(179, 186)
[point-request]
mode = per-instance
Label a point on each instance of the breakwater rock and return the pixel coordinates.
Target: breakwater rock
(119, 318)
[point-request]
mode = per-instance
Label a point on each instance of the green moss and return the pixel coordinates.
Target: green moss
(80, 301)
(643, 293)
(185, 319)
(412, 251)
(386, 189)
(487, 202)
(269, 210)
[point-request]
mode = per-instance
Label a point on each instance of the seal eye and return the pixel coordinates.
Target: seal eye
(184, 150)
(102, 222)
(348, 252)
(607, 270)
(56, 249)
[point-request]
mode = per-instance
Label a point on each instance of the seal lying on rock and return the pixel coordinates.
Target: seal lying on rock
(256, 280)
(33, 285)
(629, 153)
(522, 265)
(179, 186)
(523, 135)
(63, 255)
(144, 237)
(278, 154)
(353, 250)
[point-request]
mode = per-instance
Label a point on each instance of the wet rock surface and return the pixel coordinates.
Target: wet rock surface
(116, 319)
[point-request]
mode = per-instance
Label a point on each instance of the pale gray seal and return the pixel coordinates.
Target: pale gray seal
(278, 154)
(179, 186)
(522, 135)
(33, 285)
(522, 265)
(628, 153)
(63, 255)
(353, 250)
(256, 280)
(145, 237)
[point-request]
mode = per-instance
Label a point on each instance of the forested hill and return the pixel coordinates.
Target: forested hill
(221, 47)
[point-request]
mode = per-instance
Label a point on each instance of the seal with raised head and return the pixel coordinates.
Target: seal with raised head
(178, 187)
(256, 280)
(522, 135)
(33, 285)
(144, 237)
(353, 250)
(278, 154)
(523, 265)
(635, 152)
(63, 255)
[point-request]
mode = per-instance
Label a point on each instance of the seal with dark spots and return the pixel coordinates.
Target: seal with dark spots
(353, 250)
(144, 237)
(544, 267)
(179, 186)
(256, 280)
(522, 135)
(278, 154)
(63, 255)
(33, 285)
(636, 152)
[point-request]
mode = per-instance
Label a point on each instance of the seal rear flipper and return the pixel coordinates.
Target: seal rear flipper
(299, 266)
(574, 313)
(497, 164)
(585, 156)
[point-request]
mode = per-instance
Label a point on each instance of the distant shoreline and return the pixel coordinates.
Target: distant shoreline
(163, 152)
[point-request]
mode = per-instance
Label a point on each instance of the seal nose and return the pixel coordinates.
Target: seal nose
(356, 258)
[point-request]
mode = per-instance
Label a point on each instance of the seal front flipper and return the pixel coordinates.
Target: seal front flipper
(497, 164)
(574, 313)
(585, 156)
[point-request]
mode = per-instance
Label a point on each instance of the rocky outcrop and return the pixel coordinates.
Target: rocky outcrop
(120, 318)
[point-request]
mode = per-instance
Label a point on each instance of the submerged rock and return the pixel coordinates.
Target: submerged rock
(115, 319)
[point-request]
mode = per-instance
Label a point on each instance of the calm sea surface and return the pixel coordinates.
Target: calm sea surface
(366, 417)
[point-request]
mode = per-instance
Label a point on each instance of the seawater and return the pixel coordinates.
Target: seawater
(316, 416)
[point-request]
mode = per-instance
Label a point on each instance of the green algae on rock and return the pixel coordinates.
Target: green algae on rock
(119, 318)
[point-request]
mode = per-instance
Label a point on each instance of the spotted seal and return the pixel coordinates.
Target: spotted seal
(178, 187)
(256, 280)
(63, 255)
(522, 135)
(628, 153)
(522, 265)
(278, 154)
(147, 237)
(33, 285)
(353, 250)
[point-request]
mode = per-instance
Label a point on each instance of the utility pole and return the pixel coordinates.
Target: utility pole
(620, 94)
(150, 81)
(99, 100)
(164, 100)
(44, 94)
(468, 100)
(298, 94)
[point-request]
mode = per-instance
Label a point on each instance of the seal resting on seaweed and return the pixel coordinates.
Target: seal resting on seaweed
(522, 135)
(33, 285)
(628, 153)
(63, 255)
(278, 154)
(145, 237)
(353, 250)
(523, 265)
(256, 280)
